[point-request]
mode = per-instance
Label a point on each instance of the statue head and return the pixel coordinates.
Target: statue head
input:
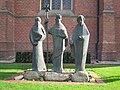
(38, 19)
(58, 18)
(80, 19)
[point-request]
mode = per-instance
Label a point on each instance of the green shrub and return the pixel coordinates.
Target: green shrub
(23, 57)
(26, 57)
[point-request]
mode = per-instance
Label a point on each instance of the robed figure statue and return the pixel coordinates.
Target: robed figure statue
(37, 35)
(79, 40)
(60, 42)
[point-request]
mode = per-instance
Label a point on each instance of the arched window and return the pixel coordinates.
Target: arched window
(57, 4)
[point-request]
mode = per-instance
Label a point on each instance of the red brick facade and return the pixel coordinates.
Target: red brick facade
(102, 19)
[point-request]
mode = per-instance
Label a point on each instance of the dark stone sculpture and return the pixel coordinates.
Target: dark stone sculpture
(37, 35)
(60, 41)
(79, 40)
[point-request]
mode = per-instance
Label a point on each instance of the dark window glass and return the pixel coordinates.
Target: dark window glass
(44, 3)
(56, 4)
(67, 4)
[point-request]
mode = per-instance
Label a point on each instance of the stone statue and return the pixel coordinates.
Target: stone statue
(79, 40)
(37, 35)
(60, 41)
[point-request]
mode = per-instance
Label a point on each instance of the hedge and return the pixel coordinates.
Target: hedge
(26, 57)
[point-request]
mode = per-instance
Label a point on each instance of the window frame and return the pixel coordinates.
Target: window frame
(61, 5)
(63, 12)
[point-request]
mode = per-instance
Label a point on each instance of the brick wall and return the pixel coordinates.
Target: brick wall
(85, 7)
(117, 27)
(24, 21)
(26, 7)
(109, 20)
(17, 21)
(7, 45)
(2, 35)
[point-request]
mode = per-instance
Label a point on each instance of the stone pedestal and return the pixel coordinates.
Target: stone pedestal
(53, 76)
(81, 76)
(34, 75)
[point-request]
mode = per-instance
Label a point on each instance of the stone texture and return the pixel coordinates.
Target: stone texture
(32, 75)
(79, 40)
(37, 35)
(20, 77)
(53, 76)
(81, 76)
(92, 80)
(60, 42)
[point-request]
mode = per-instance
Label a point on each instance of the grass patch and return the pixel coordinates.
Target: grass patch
(6, 70)
(109, 73)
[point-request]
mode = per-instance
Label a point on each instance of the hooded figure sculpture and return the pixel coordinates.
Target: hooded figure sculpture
(79, 40)
(60, 41)
(37, 35)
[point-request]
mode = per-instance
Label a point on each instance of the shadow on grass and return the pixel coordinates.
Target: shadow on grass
(24, 66)
(4, 75)
(21, 66)
(100, 66)
(72, 66)
(111, 79)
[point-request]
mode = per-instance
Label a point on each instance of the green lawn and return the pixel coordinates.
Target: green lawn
(109, 73)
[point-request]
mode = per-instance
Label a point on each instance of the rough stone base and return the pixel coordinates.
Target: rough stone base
(81, 76)
(53, 76)
(33, 75)
(20, 77)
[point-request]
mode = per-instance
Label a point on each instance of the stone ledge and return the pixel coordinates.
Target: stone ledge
(54, 12)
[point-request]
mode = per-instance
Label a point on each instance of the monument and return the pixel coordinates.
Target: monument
(37, 35)
(79, 44)
(60, 42)
(79, 40)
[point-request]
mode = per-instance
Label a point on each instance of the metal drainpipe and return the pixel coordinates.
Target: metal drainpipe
(97, 31)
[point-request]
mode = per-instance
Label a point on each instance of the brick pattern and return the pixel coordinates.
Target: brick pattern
(26, 7)
(10, 5)
(3, 4)
(85, 7)
(14, 29)
(2, 27)
(108, 4)
(116, 7)
(107, 44)
(117, 27)
(7, 30)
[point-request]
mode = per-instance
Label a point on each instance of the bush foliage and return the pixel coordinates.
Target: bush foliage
(26, 57)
